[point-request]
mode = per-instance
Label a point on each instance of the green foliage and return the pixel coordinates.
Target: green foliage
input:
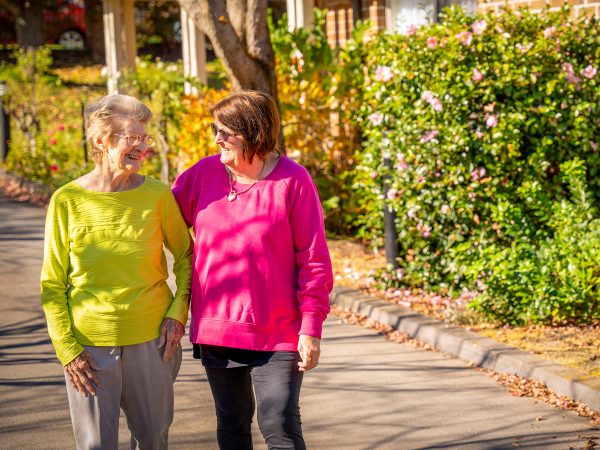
(484, 120)
(46, 139)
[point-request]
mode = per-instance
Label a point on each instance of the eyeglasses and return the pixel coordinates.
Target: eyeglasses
(135, 139)
(225, 135)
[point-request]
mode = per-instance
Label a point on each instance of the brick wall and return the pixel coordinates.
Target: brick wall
(580, 7)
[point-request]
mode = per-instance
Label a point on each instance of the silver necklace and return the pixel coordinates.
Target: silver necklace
(233, 194)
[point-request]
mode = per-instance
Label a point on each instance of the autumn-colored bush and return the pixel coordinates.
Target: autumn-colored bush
(490, 124)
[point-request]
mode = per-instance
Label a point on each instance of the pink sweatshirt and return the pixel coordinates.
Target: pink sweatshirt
(261, 269)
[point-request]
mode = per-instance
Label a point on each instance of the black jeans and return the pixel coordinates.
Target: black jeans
(276, 385)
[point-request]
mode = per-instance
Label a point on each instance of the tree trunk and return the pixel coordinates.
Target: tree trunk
(29, 24)
(95, 30)
(240, 37)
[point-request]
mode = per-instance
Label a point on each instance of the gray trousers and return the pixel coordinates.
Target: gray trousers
(134, 378)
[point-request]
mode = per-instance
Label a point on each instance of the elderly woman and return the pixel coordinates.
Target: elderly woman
(113, 321)
(261, 275)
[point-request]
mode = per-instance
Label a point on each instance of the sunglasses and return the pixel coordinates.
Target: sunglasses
(225, 135)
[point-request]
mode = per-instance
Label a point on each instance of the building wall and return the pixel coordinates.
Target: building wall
(580, 7)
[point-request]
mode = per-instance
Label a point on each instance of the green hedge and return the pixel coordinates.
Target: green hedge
(491, 124)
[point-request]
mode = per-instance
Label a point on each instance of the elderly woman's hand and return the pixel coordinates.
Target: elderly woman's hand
(171, 332)
(81, 375)
(309, 348)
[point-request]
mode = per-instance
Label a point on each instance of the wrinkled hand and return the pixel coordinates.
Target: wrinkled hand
(171, 332)
(309, 348)
(81, 375)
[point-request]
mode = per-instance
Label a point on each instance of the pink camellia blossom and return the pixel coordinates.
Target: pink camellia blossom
(383, 74)
(491, 120)
(465, 38)
(549, 32)
(437, 105)
(427, 96)
(477, 75)
(572, 78)
(392, 194)
(429, 136)
(425, 230)
(432, 42)
(376, 118)
(53, 141)
(54, 168)
(567, 67)
(479, 26)
(589, 72)
(445, 209)
(61, 127)
(402, 166)
(478, 174)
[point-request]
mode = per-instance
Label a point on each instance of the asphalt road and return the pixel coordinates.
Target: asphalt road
(367, 393)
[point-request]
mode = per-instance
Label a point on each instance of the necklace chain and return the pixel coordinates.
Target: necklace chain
(233, 194)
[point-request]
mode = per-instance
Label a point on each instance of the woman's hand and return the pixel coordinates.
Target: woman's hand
(80, 372)
(309, 348)
(171, 332)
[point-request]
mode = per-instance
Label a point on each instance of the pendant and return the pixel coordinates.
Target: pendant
(232, 196)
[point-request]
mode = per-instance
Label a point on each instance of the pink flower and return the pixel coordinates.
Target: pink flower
(427, 96)
(465, 38)
(549, 32)
(567, 67)
(54, 168)
(429, 135)
(383, 74)
(53, 141)
(402, 166)
(376, 118)
(432, 42)
(479, 26)
(392, 194)
(425, 230)
(61, 127)
(572, 78)
(445, 209)
(589, 72)
(50, 132)
(479, 134)
(412, 29)
(593, 145)
(437, 105)
(374, 174)
(477, 75)
(477, 174)
(491, 120)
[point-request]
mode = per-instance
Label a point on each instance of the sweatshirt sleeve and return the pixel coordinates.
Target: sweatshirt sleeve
(185, 194)
(179, 242)
(315, 277)
(54, 283)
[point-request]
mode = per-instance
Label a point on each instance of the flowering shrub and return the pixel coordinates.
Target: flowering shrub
(481, 133)
(46, 134)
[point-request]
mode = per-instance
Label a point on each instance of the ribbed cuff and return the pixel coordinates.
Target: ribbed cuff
(312, 324)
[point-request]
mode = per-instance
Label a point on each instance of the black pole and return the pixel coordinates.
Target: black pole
(4, 123)
(389, 219)
(83, 137)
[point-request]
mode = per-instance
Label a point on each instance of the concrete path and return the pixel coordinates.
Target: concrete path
(368, 393)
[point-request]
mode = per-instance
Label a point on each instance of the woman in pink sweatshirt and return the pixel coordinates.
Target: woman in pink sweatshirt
(261, 273)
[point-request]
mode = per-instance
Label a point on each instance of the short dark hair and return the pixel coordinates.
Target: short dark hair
(254, 116)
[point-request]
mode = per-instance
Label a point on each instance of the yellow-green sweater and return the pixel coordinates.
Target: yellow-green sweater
(104, 274)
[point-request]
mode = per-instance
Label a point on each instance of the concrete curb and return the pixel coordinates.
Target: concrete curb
(471, 347)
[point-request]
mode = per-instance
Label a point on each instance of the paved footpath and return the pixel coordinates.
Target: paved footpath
(368, 393)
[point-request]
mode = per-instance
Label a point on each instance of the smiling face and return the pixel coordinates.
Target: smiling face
(230, 146)
(120, 155)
